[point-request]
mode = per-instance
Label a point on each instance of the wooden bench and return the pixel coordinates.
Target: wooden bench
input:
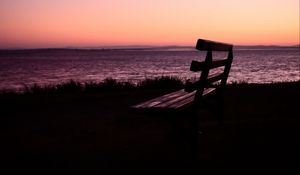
(194, 93)
(181, 107)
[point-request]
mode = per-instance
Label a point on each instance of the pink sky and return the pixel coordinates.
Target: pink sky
(92, 23)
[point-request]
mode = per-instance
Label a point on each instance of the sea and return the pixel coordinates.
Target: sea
(24, 68)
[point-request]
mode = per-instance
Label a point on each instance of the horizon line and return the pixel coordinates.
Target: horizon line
(137, 46)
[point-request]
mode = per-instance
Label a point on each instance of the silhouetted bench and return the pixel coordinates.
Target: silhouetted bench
(195, 92)
(180, 107)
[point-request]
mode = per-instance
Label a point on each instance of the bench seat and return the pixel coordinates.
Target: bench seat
(176, 100)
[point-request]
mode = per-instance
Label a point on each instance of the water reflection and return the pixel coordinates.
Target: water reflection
(50, 67)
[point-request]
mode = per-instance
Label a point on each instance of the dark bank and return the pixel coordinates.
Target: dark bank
(89, 132)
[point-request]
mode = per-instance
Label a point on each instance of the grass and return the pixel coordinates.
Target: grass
(107, 85)
(76, 128)
(110, 84)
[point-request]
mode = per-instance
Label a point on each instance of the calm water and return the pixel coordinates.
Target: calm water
(18, 69)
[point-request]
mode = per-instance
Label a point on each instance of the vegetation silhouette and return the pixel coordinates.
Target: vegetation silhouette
(88, 132)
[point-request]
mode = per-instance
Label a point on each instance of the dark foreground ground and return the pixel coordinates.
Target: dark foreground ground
(95, 133)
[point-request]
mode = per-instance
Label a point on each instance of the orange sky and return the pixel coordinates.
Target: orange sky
(91, 23)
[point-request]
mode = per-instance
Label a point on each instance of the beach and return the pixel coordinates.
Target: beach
(94, 132)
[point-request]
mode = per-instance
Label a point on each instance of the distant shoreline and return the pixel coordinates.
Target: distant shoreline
(146, 48)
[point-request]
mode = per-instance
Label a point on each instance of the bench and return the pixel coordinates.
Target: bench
(180, 107)
(194, 93)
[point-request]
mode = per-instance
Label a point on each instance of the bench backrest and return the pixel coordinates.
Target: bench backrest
(207, 80)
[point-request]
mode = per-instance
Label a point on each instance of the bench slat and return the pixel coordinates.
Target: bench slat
(158, 100)
(183, 103)
(172, 101)
(175, 100)
(207, 45)
(191, 86)
(197, 66)
(189, 101)
(218, 63)
(214, 77)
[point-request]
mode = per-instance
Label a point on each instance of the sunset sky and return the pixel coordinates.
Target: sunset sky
(92, 23)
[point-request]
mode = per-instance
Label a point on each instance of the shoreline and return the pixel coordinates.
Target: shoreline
(108, 84)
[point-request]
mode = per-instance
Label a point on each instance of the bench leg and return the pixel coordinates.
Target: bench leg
(185, 135)
(194, 133)
(219, 112)
(178, 134)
